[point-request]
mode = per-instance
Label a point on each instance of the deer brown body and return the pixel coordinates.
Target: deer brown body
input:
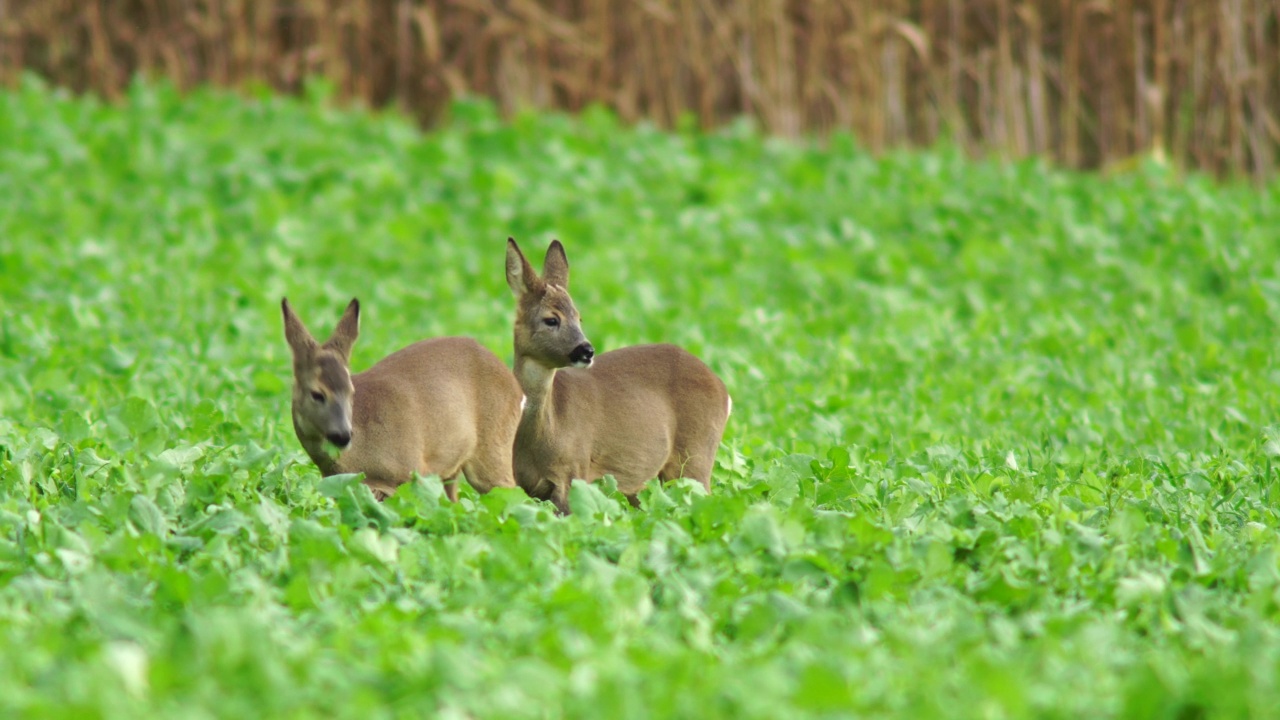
(635, 413)
(445, 406)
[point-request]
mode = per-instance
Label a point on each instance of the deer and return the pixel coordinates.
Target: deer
(441, 406)
(636, 413)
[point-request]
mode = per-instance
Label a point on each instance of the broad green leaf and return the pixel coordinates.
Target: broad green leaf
(146, 516)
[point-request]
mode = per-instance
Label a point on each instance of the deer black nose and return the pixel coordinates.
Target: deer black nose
(581, 355)
(341, 439)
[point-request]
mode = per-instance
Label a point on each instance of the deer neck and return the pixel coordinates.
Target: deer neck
(537, 381)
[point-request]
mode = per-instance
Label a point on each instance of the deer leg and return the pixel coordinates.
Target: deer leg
(450, 488)
(381, 489)
(488, 471)
(560, 497)
(693, 466)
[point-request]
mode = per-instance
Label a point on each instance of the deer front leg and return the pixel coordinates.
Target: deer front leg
(381, 490)
(560, 497)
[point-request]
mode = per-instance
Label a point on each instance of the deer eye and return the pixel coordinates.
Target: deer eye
(551, 321)
(318, 397)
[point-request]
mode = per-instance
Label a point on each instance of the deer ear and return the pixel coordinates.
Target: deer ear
(520, 275)
(555, 268)
(295, 333)
(348, 329)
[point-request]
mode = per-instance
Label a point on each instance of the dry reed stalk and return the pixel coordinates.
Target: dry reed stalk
(955, 73)
(1004, 111)
(1264, 143)
(1233, 63)
(892, 65)
(1156, 94)
(1036, 98)
(1072, 14)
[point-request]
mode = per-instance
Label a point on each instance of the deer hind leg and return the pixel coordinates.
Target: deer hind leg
(450, 487)
(693, 465)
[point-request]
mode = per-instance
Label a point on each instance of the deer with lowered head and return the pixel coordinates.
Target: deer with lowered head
(635, 413)
(442, 406)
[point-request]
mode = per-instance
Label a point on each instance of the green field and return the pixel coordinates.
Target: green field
(1004, 440)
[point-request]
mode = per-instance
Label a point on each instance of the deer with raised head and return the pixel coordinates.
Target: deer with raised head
(635, 413)
(442, 406)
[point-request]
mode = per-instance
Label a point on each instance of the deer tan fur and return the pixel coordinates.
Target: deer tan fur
(635, 413)
(442, 406)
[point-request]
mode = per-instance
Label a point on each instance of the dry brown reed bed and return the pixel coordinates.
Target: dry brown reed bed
(1085, 82)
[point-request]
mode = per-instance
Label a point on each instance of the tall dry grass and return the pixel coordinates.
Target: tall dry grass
(1086, 82)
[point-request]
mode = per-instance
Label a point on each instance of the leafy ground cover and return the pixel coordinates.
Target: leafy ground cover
(1004, 439)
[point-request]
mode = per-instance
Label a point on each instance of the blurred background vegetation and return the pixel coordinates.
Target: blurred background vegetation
(1087, 83)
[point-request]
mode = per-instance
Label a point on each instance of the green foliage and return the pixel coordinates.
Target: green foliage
(1003, 442)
